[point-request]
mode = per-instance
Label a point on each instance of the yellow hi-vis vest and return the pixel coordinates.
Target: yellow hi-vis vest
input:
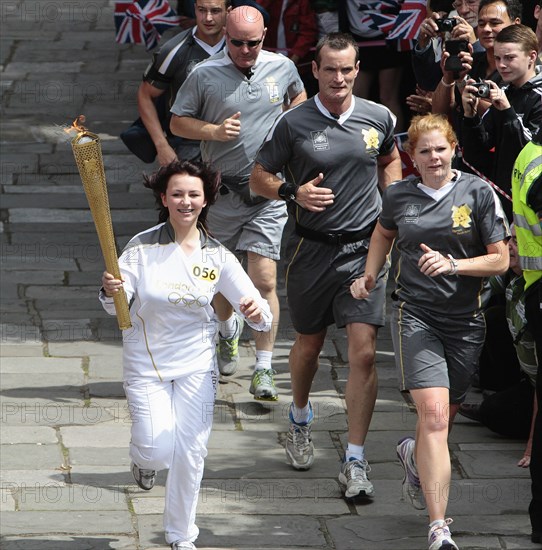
(527, 169)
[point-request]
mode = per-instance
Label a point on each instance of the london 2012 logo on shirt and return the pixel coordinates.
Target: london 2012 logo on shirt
(319, 140)
(371, 139)
(461, 218)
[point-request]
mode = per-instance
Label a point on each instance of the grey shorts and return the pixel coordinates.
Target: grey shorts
(435, 351)
(241, 227)
(318, 280)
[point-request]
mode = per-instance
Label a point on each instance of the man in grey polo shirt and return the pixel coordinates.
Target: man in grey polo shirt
(337, 150)
(229, 102)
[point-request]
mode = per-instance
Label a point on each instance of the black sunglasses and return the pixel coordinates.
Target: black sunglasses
(247, 43)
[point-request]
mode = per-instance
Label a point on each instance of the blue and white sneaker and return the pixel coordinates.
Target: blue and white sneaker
(299, 447)
(353, 479)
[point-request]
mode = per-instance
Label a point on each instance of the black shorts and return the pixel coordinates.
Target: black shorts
(318, 280)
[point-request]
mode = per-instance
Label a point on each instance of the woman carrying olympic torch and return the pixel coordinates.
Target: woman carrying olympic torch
(170, 274)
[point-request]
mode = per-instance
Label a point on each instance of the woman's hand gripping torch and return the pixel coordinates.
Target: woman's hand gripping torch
(88, 156)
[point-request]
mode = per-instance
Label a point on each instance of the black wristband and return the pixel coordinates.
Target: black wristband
(288, 191)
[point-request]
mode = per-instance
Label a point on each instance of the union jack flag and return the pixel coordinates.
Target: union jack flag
(380, 15)
(143, 21)
(407, 24)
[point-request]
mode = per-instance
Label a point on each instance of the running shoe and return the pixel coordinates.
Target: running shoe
(299, 447)
(144, 478)
(262, 385)
(412, 489)
(440, 538)
(228, 349)
(182, 545)
(353, 479)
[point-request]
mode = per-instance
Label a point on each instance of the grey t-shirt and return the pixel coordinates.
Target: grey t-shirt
(216, 90)
(308, 140)
(462, 223)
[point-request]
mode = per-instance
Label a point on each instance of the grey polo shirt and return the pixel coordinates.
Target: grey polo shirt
(216, 90)
(308, 140)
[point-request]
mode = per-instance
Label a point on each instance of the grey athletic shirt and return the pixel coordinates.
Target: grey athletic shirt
(216, 90)
(308, 140)
(462, 223)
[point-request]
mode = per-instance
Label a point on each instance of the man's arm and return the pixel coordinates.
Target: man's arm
(194, 128)
(389, 169)
(444, 95)
(299, 98)
(146, 96)
(309, 195)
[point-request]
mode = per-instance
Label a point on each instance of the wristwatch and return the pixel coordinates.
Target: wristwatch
(288, 191)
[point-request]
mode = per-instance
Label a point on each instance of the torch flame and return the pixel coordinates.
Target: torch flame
(77, 125)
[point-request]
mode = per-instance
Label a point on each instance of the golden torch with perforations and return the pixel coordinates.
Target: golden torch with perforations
(88, 156)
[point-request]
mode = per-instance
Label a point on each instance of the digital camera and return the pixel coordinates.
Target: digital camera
(446, 25)
(483, 89)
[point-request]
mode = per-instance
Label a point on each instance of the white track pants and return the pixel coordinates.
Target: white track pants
(171, 424)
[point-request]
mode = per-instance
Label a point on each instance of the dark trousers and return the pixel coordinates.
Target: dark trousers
(534, 322)
(498, 367)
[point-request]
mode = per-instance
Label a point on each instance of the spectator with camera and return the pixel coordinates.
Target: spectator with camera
(515, 113)
(434, 30)
(493, 16)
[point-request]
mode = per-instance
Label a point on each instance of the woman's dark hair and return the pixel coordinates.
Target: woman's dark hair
(158, 183)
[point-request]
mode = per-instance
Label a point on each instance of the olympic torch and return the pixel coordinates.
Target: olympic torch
(88, 156)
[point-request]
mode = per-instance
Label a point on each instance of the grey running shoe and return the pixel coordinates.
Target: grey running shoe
(353, 479)
(440, 538)
(183, 545)
(262, 386)
(228, 350)
(143, 478)
(299, 447)
(412, 489)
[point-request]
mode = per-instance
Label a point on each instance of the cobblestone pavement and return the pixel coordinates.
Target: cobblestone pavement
(65, 481)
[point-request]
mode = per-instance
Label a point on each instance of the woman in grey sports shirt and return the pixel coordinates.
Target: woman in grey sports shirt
(449, 233)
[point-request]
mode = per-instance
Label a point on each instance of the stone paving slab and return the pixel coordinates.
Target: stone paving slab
(246, 532)
(40, 365)
(96, 435)
(28, 456)
(20, 418)
(30, 479)
(55, 542)
(48, 522)
(69, 497)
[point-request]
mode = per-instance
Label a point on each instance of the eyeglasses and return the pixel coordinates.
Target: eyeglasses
(247, 43)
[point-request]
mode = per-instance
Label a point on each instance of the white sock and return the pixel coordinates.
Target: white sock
(356, 452)
(301, 415)
(227, 328)
(263, 360)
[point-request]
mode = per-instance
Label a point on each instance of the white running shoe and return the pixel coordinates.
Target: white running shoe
(353, 479)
